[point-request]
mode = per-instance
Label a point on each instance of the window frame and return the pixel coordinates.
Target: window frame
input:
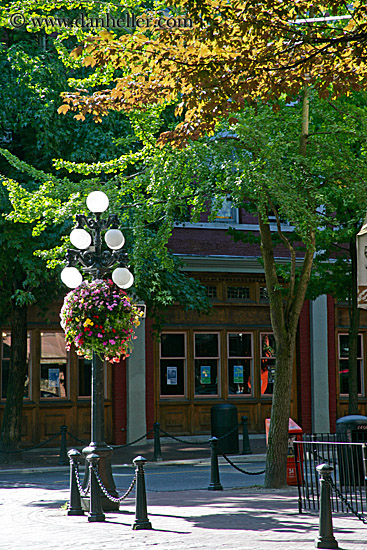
(29, 361)
(173, 396)
(229, 357)
(261, 334)
(361, 367)
(217, 358)
(67, 370)
(234, 219)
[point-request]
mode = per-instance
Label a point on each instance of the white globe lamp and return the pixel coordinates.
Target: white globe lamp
(114, 239)
(122, 277)
(71, 277)
(80, 238)
(97, 202)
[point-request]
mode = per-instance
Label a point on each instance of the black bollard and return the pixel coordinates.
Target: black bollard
(141, 515)
(95, 503)
(215, 484)
(246, 449)
(63, 459)
(74, 507)
(157, 442)
(326, 538)
(364, 455)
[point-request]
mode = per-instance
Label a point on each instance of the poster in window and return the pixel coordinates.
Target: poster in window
(238, 374)
(205, 375)
(171, 376)
(53, 378)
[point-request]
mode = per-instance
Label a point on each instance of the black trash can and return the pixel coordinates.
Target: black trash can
(224, 420)
(351, 429)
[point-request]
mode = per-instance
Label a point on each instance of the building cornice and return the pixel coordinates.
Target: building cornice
(226, 264)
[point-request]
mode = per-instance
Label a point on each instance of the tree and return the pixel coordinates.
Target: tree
(32, 76)
(237, 53)
(32, 134)
(341, 126)
(24, 280)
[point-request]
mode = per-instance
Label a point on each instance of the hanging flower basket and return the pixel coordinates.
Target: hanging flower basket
(99, 317)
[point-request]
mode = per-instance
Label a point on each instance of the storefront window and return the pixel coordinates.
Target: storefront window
(53, 381)
(344, 363)
(172, 364)
(206, 364)
(5, 363)
(267, 365)
(239, 364)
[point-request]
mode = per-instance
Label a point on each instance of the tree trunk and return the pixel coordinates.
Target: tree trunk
(353, 334)
(284, 320)
(276, 458)
(11, 424)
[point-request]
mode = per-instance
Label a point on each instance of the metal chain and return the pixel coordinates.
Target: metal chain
(34, 446)
(230, 432)
(77, 439)
(106, 493)
(83, 492)
(361, 517)
(132, 442)
(240, 469)
(177, 438)
(196, 443)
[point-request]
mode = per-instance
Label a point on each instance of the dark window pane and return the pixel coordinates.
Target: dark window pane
(343, 345)
(53, 381)
(206, 377)
(211, 291)
(239, 376)
(264, 297)
(5, 364)
(238, 292)
(206, 345)
(267, 345)
(344, 376)
(172, 345)
(172, 376)
(267, 376)
(239, 345)
(85, 377)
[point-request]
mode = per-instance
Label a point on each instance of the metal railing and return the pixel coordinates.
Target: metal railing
(348, 478)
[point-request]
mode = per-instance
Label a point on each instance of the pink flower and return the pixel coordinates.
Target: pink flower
(112, 342)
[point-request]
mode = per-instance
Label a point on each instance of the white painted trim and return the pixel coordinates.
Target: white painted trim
(319, 366)
(226, 225)
(136, 387)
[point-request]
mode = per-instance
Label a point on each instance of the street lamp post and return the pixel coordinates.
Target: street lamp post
(97, 262)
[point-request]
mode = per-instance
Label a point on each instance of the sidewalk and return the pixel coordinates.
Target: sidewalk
(242, 519)
(238, 519)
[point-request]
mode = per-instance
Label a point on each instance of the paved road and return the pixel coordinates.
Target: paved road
(182, 477)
